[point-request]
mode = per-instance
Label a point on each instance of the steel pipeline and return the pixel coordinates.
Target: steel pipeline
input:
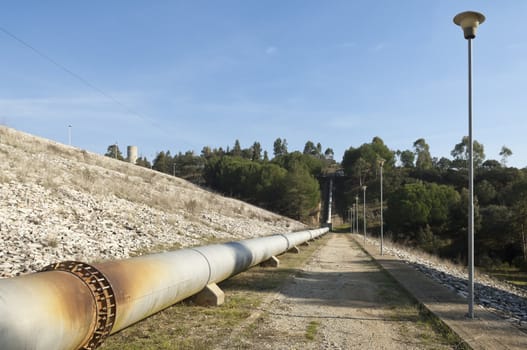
(73, 305)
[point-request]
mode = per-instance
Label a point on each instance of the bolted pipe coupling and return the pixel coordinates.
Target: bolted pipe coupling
(102, 293)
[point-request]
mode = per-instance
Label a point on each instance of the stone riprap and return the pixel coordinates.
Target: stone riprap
(60, 203)
(498, 296)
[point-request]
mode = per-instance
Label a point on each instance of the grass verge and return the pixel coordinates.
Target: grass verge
(512, 275)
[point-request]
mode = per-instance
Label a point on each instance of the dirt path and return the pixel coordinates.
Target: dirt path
(340, 300)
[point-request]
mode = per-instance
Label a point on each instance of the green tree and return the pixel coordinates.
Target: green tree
(319, 148)
(310, 149)
(329, 153)
(505, 153)
(293, 192)
(206, 152)
(296, 159)
(163, 162)
(485, 192)
(301, 193)
(114, 152)
(414, 206)
(256, 152)
(422, 152)
(237, 149)
(519, 210)
(460, 153)
(494, 235)
(142, 161)
(362, 163)
(443, 164)
(407, 158)
(280, 147)
(491, 164)
(189, 166)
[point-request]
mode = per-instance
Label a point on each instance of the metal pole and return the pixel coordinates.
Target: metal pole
(351, 219)
(382, 221)
(330, 201)
(357, 214)
(470, 190)
(469, 22)
(364, 211)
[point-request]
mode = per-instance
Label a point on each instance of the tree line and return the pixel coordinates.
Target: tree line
(286, 184)
(426, 197)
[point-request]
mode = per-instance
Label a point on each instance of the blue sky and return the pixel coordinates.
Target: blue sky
(180, 75)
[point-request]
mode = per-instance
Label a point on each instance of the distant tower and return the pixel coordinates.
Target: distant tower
(131, 154)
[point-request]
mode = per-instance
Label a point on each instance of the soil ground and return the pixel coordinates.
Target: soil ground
(341, 299)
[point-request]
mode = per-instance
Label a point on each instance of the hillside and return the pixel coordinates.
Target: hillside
(61, 203)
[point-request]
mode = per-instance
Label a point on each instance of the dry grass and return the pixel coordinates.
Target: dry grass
(31, 159)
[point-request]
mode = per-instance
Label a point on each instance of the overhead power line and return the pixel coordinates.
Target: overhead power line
(70, 72)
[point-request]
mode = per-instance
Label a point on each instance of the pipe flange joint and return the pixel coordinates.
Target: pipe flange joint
(102, 293)
(287, 240)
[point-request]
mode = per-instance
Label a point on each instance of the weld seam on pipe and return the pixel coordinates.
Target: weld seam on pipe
(208, 264)
(287, 239)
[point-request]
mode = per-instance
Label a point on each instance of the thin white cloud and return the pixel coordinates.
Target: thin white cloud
(67, 108)
(271, 50)
(514, 46)
(378, 47)
(345, 122)
(347, 45)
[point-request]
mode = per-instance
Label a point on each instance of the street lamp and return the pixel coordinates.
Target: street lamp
(351, 219)
(364, 211)
(381, 164)
(357, 213)
(353, 214)
(469, 22)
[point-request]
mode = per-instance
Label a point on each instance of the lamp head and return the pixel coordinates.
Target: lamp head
(469, 22)
(364, 188)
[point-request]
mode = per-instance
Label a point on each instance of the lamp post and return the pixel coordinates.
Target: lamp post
(351, 219)
(364, 211)
(69, 135)
(381, 164)
(357, 214)
(469, 22)
(353, 214)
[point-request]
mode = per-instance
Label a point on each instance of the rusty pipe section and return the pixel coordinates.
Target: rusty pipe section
(72, 305)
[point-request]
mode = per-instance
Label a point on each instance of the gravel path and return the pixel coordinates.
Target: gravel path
(348, 303)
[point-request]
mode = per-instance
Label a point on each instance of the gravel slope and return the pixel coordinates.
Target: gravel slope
(59, 203)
